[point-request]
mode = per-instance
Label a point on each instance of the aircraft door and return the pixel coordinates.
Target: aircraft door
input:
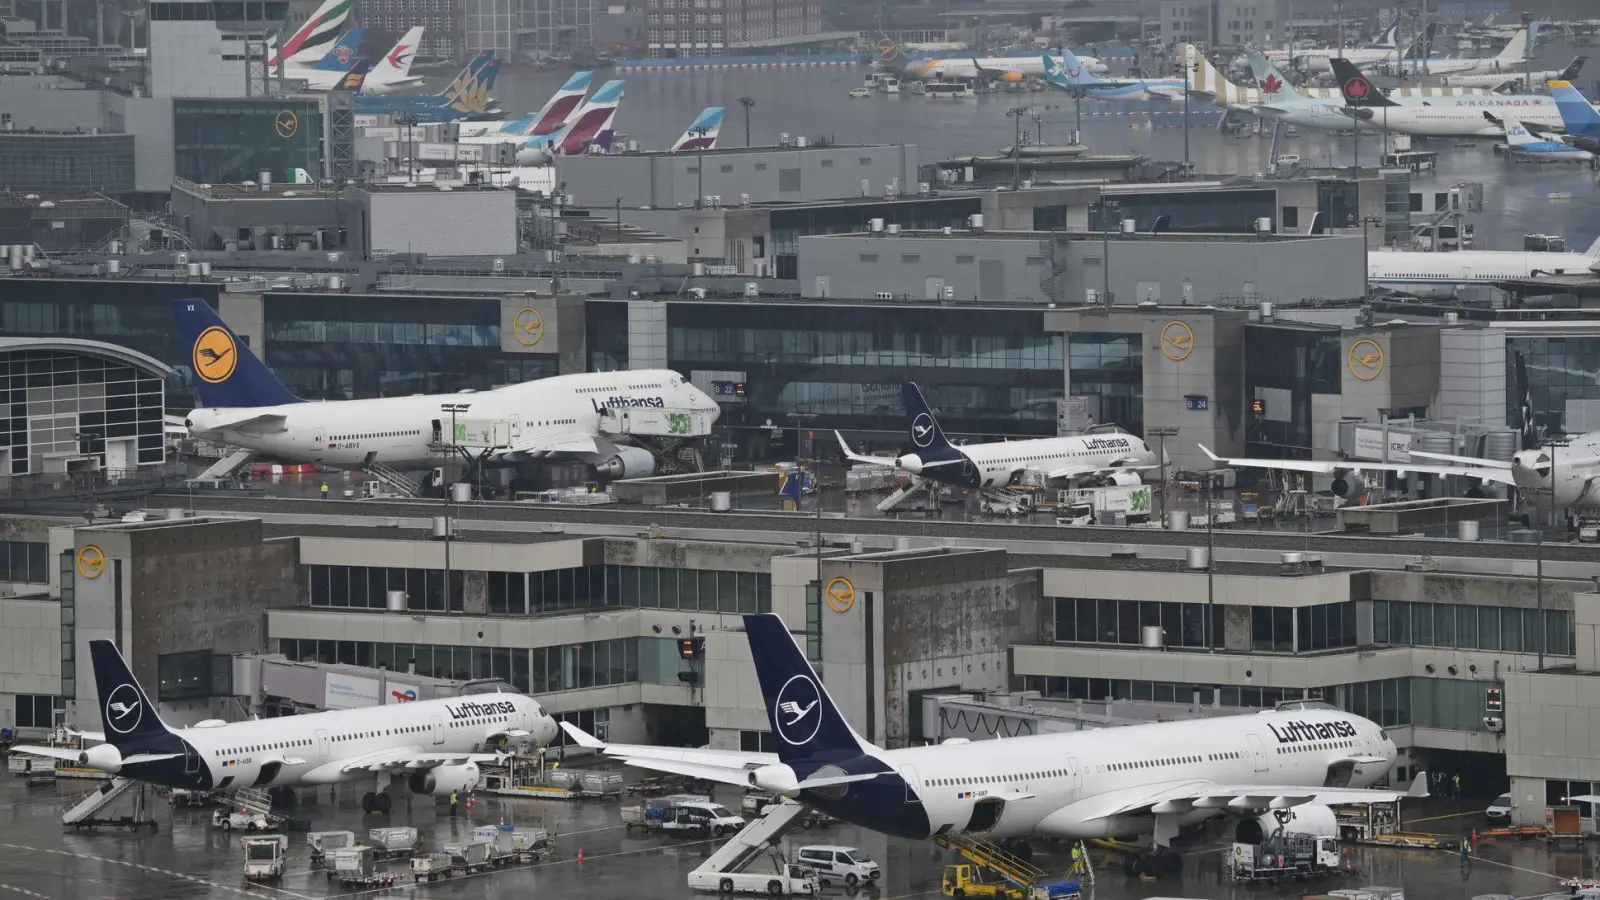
(322, 744)
(191, 759)
(1076, 776)
(1258, 752)
(438, 731)
(908, 774)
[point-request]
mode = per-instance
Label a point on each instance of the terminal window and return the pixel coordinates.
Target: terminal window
(25, 561)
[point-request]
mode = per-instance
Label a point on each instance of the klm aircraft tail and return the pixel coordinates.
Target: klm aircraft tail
(1577, 116)
(343, 54)
(131, 723)
(1358, 89)
(226, 373)
(1274, 87)
(803, 716)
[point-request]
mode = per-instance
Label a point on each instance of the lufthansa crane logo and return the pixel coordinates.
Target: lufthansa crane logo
(841, 595)
(797, 714)
(91, 561)
(123, 709)
(1177, 341)
(286, 124)
(215, 355)
(922, 430)
(528, 326)
(1366, 359)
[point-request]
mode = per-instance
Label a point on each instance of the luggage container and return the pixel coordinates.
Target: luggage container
(394, 842)
(469, 856)
(431, 866)
(324, 842)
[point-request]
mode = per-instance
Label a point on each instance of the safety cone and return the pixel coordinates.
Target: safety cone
(580, 854)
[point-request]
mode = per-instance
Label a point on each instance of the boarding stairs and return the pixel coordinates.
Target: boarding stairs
(253, 802)
(1006, 501)
(751, 841)
(392, 477)
(1008, 865)
(226, 466)
(908, 491)
(88, 812)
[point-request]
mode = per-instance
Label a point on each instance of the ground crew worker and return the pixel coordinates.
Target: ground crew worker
(324, 490)
(453, 805)
(1457, 783)
(1077, 859)
(1466, 852)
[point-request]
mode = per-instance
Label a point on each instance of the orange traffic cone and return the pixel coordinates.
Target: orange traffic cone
(580, 854)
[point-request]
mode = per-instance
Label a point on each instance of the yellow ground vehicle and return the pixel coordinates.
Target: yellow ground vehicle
(966, 880)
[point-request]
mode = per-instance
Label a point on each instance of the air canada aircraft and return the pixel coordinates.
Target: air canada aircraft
(1114, 457)
(1141, 779)
(553, 418)
(433, 746)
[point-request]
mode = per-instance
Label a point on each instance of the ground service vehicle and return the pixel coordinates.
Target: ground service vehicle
(839, 864)
(793, 880)
(1499, 812)
(682, 814)
(430, 866)
(263, 856)
(968, 880)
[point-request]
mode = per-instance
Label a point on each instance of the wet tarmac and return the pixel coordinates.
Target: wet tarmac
(187, 858)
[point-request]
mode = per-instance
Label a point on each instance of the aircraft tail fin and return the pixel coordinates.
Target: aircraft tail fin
(1209, 80)
(1067, 70)
(1358, 89)
(591, 122)
(1594, 249)
(1572, 69)
(1517, 135)
(356, 78)
(890, 56)
(560, 107)
(1389, 37)
(342, 55)
(396, 64)
(1528, 427)
(926, 435)
(1274, 87)
(468, 75)
(226, 373)
(1516, 49)
(804, 719)
(312, 39)
(130, 719)
(1577, 116)
(702, 132)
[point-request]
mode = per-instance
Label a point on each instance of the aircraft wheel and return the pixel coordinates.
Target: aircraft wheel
(367, 802)
(1172, 864)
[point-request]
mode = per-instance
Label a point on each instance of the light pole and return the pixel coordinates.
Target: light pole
(1016, 113)
(1188, 75)
(409, 121)
(1527, 54)
(444, 474)
(699, 133)
(747, 102)
(1366, 270)
(1162, 432)
(1038, 121)
(1105, 247)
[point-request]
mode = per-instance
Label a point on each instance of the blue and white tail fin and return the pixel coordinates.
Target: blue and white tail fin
(702, 132)
(804, 719)
(1572, 69)
(226, 373)
(342, 55)
(130, 719)
(1066, 71)
(1577, 116)
(468, 75)
(926, 435)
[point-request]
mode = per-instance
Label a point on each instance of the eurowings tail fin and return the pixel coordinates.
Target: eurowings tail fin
(226, 373)
(804, 719)
(702, 132)
(559, 108)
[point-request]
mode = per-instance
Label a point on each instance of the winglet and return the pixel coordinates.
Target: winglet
(856, 457)
(1207, 451)
(1419, 786)
(582, 738)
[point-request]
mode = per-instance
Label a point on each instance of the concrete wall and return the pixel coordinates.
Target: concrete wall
(149, 120)
(30, 651)
(1472, 376)
(53, 103)
(668, 180)
(439, 223)
(190, 59)
(1387, 370)
(997, 269)
(1195, 271)
(214, 221)
(1552, 720)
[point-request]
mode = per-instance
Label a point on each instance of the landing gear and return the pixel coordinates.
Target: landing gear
(1019, 848)
(372, 802)
(1160, 864)
(283, 797)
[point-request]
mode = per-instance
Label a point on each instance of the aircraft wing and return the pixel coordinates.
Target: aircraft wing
(1185, 796)
(1097, 471)
(264, 422)
(856, 457)
(73, 756)
(1332, 466)
(405, 760)
(723, 766)
(554, 445)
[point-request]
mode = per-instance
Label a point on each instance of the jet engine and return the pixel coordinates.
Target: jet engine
(630, 462)
(442, 780)
(910, 462)
(535, 155)
(1011, 77)
(775, 779)
(1349, 484)
(104, 757)
(1124, 478)
(1314, 819)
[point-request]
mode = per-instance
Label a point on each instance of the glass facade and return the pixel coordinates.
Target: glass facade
(1209, 212)
(384, 346)
(135, 315)
(1111, 366)
(537, 670)
(605, 329)
(1082, 620)
(986, 372)
(25, 561)
(41, 711)
(1249, 696)
(62, 405)
(66, 163)
(1284, 367)
(1502, 629)
(228, 141)
(540, 593)
(1387, 701)
(1559, 369)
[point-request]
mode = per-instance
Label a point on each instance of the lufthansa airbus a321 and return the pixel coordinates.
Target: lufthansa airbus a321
(1141, 779)
(432, 746)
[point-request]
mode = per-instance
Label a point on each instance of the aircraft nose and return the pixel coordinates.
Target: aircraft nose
(910, 462)
(546, 730)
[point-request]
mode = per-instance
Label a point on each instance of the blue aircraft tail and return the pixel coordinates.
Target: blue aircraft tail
(131, 723)
(469, 74)
(1066, 71)
(226, 373)
(342, 55)
(1577, 116)
(926, 435)
(804, 720)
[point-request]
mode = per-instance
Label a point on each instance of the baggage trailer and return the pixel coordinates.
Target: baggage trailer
(1563, 823)
(431, 866)
(358, 867)
(468, 857)
(395, 842)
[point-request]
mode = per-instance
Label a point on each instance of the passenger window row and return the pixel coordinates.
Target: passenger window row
(1324, 745)
(375, 434)
(1159, 763)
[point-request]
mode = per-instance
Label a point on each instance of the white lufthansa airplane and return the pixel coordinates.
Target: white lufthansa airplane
(1315, 59)
(1440, 275)
(1140, 779)
(1110, 457)
(1517, 80)
(552, 418)
(1350, 476)
(1509, 59)
(433, 746)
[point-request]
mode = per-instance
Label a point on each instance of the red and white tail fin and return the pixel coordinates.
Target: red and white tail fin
(395, 67)
(312, 39)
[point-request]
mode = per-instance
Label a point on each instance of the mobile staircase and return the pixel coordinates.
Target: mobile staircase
(87, 813)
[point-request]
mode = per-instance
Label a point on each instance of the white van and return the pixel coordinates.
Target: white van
(834, 864)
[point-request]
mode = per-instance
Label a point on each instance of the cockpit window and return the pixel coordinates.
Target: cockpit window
(1383, 735)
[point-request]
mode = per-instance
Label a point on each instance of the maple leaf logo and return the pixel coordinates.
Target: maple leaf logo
(1272, 84)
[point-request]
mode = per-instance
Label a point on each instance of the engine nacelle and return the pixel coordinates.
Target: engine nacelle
(440, 781)
(630, 462)
(1314, 819)
(1124, 478)
(535, 155)
(1349, 484)
(775, 779)
(911, 463)
(104, 757)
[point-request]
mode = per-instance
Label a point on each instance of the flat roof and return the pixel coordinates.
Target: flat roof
(1114, 236)
(88, 348)
(743, 151)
